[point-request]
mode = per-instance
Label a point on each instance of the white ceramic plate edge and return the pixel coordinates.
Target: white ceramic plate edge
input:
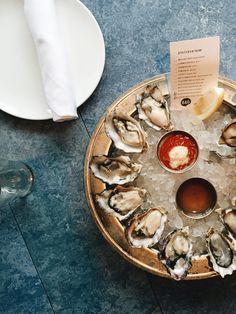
(4, 106)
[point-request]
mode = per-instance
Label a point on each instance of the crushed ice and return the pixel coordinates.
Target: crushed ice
(162, 185)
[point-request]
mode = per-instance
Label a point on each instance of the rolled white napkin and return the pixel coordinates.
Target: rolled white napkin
(42, 21)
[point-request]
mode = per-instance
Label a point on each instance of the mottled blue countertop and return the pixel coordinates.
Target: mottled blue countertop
(52, 257)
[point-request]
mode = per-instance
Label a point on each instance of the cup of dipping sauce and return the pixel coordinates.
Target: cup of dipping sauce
(196, 198)
(177, 151)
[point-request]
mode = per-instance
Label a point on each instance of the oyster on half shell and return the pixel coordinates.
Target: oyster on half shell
(126, 132)
(146, 229)
(221, 252)
(177, 252)
(228, 135)
(233, 201)
(115, 170)
(153, 108)
(228, 218)
(122, 201)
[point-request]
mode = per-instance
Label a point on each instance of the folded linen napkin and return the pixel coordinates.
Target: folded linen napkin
(41, 18)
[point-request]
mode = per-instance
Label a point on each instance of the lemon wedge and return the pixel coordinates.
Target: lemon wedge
(209, 103)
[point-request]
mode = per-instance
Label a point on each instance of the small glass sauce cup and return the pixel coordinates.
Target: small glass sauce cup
(172, 134)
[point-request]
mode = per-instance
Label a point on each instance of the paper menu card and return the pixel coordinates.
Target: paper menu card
(194, 68)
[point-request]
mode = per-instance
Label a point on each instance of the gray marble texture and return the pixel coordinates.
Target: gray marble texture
(52, 257)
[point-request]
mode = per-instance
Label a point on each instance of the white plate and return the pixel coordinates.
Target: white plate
(21, 90)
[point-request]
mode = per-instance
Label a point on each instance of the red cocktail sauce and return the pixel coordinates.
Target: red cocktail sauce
(178, 139)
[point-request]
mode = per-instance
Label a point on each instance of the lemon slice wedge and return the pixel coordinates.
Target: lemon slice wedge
(209, 103)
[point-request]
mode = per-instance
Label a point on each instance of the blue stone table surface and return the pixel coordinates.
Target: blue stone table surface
(53, 259)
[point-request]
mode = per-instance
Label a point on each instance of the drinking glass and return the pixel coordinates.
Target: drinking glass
(16, 180)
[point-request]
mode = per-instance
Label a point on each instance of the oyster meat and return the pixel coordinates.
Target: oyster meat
(228, 218)
(121, 202)
(233, 201)
(115, 170)
(221, 252)
(126, 132)
(146, 229)
(177, 252)
(228, 135)
(153, 108)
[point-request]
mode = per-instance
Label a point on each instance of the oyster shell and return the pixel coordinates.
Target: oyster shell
(146, 229)
(228, 218)
(221, 252)
(126, 132)
(121, 202)
(228, 135)
(115, 170)
(177, 252)
(153, 108)
(233, 201)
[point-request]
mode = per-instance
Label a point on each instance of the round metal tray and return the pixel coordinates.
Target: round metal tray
(109, 226)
